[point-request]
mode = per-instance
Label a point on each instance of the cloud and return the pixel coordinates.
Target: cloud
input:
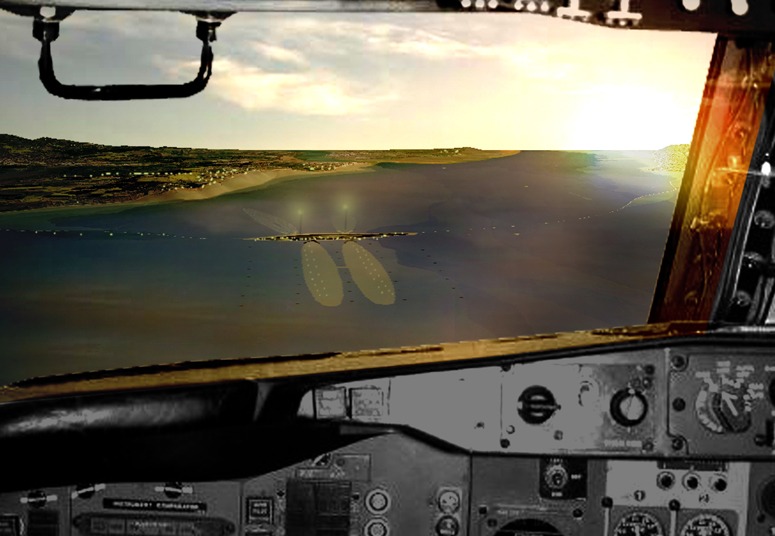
(344, 36)
(306, 93)
(279, 54)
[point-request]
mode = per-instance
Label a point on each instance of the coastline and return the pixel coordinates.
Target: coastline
(247, 181)
(256, 179)
(252, 180)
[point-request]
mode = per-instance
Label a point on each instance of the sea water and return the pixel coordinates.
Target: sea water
(532, 243)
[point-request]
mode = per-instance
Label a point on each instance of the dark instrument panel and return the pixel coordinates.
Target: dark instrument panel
(652, 442)
(396, 484)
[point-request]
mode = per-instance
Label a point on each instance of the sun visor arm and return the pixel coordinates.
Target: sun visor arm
(46, 30)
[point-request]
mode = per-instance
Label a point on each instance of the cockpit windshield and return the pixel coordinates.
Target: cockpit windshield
(346, 181)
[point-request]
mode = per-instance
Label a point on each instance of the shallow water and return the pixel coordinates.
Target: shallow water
(536, 242)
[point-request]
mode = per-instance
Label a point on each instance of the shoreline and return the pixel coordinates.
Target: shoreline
(246, 181)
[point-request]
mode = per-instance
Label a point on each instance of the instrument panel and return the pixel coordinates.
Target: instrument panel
(652, 402)
(394, 484)
(646, 442)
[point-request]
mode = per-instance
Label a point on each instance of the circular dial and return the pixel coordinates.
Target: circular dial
(377, 501)
(629, 407)
(705, 525)
(447, 526)
(556, 477)
(377, 527)
(723, 406)
(449, 501)
(638, 524)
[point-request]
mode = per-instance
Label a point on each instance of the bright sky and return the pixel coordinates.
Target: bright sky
(365, 81)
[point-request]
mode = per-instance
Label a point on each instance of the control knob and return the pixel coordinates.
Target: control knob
(556, 476)
(629, 407)
(536, 405)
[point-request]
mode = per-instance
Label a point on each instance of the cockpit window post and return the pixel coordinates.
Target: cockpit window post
(721, 154)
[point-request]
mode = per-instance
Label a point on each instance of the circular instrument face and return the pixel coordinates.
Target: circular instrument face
(638, 524)
(377, 501)
(705, 525)
(628, 407)
(449, 501)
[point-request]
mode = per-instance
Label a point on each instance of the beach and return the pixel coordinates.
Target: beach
(249, 180)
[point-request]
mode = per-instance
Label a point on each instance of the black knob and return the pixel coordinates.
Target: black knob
(691, 482)
(556, 477)
(536, 405)
(665, 480)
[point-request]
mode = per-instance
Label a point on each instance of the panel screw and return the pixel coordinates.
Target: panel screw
(505, 443)
(742, 299)
(677, 443)
(679, 404)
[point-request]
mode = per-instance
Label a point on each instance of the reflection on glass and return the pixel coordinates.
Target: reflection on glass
(321, 274)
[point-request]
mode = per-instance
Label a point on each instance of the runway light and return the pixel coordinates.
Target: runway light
(480, 4)
(465, 3)
(532, 6)
(766, 169)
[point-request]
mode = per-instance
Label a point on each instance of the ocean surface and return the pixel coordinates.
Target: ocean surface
(537, 242)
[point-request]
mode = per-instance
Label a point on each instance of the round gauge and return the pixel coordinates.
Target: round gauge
(705, 525)
(378, 501)
(638, 524)
(629, 407)
(449, 501)
(376, 527)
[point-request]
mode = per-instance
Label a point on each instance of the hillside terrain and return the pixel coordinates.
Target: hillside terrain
(49, 172)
